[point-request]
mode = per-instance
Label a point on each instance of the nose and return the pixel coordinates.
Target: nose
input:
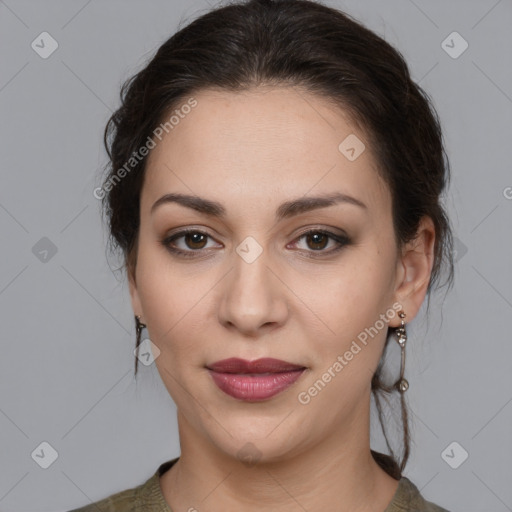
(254, 299)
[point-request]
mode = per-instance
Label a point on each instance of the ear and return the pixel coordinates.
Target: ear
(134, 294)
(414, 269)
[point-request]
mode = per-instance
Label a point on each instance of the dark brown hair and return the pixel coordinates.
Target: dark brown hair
(323, 51)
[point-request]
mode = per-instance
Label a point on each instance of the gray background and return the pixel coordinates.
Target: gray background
(66, 365)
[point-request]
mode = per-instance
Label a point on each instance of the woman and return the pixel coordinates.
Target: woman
(274, 186)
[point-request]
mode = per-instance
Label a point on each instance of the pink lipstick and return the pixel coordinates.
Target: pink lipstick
(254, 380)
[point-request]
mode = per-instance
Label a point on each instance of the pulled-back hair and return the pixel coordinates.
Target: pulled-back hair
(323, 51)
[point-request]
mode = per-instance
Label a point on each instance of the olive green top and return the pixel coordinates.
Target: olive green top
(148, 497)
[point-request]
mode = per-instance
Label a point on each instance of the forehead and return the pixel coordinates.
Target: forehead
(263, 143)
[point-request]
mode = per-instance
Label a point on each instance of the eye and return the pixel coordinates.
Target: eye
(194, 241)
(317, 240)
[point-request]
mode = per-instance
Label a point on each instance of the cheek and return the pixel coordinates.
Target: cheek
(174, 299)
(348, 297)
(162, 298)
(349, 303)
(345, 362)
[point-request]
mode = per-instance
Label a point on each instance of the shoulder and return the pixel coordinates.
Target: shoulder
(146, 497)
(409, 499)
(122, 501)
(128, 500)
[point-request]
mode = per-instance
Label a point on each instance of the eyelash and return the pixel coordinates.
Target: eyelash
(341, 240)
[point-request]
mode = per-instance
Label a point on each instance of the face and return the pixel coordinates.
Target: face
(269, 270)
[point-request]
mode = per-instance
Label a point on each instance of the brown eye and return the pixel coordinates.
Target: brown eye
(318, 240)
(320, 243)
(188, 243)
(195, 240)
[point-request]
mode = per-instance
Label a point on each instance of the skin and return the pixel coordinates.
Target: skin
(252, 151)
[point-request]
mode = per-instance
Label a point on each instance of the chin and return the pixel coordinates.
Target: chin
(254, 440)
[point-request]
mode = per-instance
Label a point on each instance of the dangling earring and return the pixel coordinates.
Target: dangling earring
(402, 385)
(138, 327)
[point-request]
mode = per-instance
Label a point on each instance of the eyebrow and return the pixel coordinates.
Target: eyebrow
(284, 211)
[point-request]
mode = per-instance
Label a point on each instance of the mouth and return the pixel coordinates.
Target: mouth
(254, 381)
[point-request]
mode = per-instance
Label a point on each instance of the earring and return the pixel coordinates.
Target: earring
(138, 327)
(402, 385)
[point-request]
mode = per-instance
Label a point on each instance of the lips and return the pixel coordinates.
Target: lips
(255, 380)
(264, 365)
